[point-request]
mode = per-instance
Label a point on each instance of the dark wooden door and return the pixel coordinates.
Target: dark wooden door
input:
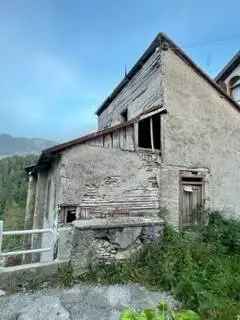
(191, 204)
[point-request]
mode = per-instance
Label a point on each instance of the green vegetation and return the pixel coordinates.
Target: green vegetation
(13, 192)
(200, 267)
(65, 276)
(162, 312)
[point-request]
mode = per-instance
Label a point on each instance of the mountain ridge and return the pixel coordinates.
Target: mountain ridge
(10, 145)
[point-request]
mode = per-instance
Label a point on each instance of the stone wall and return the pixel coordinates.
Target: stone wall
(98, 241)
(105, 181)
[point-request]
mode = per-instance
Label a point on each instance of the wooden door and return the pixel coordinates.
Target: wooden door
(191, 203)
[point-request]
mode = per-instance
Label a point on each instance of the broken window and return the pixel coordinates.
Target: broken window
(124, 115)
(149, 133)
(68, 214)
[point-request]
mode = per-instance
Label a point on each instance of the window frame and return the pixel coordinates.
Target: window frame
(234, 84)
(150, 116)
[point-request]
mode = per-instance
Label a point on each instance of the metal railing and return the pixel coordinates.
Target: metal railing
(22, 232)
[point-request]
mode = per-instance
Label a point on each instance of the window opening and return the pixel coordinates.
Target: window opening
(70, 215)
(144, 134)
(124, 115)
(149, 133)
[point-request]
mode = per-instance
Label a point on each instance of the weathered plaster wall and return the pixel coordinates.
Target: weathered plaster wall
(105, 180)
(201, 130)
(65, 242)
(142, 92)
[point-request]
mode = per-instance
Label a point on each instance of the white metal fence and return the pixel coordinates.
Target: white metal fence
(23, 232)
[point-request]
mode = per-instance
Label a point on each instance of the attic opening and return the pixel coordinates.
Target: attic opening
(149, 132)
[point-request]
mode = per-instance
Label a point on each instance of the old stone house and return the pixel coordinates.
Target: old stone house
(167, 142)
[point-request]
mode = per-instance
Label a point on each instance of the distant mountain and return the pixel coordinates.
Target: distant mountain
(22, 146)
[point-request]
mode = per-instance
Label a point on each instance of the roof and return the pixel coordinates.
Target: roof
(157, 42)
(82, 139)
(230, 66)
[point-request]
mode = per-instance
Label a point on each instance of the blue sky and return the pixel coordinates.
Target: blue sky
(59, 59)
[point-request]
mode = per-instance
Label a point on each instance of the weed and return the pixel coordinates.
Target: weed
(201, 267)
(65, 275)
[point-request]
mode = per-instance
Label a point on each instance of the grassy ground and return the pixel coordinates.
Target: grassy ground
(200, 267)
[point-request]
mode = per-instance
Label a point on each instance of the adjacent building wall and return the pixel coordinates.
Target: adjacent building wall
(201, 131)
(142, 92)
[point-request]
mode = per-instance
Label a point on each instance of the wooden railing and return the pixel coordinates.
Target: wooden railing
(23, 232)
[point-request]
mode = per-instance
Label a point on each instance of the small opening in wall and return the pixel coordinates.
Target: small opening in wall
(192, 179)
(124, 115)
(70, 215)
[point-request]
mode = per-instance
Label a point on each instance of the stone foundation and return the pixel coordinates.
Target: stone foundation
(106, 241)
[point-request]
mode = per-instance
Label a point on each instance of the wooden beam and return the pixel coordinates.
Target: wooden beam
(151, 131)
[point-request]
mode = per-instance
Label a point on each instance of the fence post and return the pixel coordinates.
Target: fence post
(1, 236)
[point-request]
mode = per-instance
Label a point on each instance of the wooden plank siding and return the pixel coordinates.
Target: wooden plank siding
(122, 138)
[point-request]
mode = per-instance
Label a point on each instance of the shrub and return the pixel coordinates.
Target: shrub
(162, 312)
(201, 267)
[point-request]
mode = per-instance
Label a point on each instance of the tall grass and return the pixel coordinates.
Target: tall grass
(200, 267)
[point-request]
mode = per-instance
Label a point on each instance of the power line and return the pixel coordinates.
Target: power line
(220, 40)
